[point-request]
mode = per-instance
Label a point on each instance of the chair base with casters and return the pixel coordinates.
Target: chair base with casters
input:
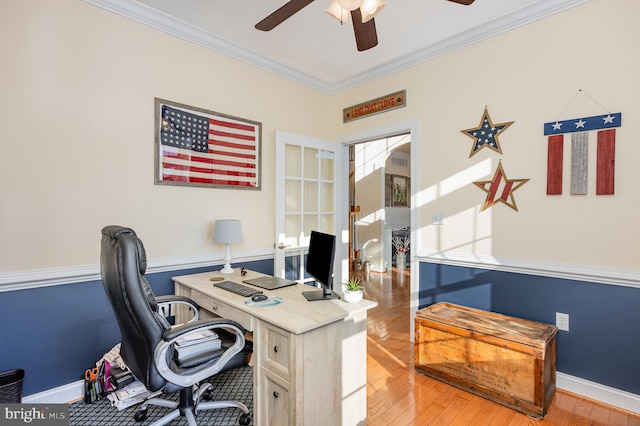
(189, 404)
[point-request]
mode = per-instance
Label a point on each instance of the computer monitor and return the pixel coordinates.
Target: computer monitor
(320, 266)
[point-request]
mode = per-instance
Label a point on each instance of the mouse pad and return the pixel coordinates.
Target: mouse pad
(271, 301)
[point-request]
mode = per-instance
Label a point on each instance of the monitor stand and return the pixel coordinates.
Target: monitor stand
(324, 294)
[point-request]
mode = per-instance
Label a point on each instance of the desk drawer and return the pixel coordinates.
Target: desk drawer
(223, 310)
(277, 408)
(276, 350)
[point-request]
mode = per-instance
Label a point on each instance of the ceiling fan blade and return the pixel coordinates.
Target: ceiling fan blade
(279, 16)
(465, 2)
(366, 36)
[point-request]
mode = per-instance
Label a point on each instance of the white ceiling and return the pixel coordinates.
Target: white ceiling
(314, 49)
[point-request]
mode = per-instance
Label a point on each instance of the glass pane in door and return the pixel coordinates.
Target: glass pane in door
(293, 196)
(311, 164)
(293, 165)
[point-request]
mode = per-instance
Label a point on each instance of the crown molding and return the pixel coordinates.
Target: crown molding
(487, 30)
(168, 24)
(161, 21)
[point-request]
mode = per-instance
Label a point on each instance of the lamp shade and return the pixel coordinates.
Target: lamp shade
(338, 12)
(227, 231)
(370, 8)
(350, 4)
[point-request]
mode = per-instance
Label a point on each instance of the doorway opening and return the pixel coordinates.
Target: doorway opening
(379, 191)
(411, 130)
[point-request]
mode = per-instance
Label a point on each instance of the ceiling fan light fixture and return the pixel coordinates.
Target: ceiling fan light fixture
(349, 4)
(336, 11)
(370, 8)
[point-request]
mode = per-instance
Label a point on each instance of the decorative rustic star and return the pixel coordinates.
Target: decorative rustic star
(500, 189)
(486, 134)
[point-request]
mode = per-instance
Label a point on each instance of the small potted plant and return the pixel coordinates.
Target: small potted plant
(352, 290)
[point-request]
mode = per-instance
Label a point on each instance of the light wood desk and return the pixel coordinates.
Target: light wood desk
(310, 358)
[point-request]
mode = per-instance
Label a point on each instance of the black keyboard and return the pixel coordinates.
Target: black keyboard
(236, 288)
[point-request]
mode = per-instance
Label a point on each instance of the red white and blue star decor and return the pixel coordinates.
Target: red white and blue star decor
(579, 129)
(486, 134)
(500, 189)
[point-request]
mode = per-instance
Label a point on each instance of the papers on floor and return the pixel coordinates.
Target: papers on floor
(132, 394)
(196, 343)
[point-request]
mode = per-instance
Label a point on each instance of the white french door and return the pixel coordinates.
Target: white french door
(307, 189)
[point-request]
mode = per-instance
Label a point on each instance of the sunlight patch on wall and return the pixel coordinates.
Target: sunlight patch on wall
(470, 232)
(371, 156)
(455, 182)
(371, 218)
(464, 230)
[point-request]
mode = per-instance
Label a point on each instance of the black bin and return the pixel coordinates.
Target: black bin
(11, 386)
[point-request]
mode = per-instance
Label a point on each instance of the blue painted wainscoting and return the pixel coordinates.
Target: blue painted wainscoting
(55, 333)
(603, 344)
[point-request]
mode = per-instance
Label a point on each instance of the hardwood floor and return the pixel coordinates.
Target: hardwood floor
(397, 395)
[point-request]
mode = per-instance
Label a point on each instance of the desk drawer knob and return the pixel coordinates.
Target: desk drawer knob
(276, 394)
(214, 307)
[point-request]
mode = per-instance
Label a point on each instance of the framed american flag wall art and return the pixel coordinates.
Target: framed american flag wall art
(198, 147)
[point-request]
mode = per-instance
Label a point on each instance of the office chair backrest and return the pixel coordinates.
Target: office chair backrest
(122, 266)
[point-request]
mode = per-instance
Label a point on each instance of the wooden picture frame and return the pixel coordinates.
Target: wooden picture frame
(399, 191)
(198, 147)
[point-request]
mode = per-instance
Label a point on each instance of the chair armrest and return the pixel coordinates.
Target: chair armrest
(166, 303)
(181, 330)
(189, 376)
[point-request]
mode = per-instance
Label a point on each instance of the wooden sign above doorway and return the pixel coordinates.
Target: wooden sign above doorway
(375, 106)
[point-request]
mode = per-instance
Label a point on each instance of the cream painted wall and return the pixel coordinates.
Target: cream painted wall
(529, 76)
(78, 86)
(76, 117)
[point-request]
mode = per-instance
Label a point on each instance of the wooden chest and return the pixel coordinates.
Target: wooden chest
(507, 360)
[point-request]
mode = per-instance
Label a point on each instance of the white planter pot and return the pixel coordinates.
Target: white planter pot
(401, 260)
(352, 296)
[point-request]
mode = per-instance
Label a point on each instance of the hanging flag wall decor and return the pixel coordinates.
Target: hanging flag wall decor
(500, 189)
(605, 151)
(198, 147)
(580, 128)
(486, 134)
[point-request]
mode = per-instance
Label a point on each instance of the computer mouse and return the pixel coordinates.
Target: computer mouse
(259, 297)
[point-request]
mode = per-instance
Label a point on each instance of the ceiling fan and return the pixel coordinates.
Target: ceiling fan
(365, 32)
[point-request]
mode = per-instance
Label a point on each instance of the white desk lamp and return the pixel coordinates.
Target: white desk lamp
(227, 231)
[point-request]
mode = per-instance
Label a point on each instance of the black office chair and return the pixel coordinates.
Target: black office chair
(148, 339)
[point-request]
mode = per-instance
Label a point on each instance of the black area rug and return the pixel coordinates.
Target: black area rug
(235, 384)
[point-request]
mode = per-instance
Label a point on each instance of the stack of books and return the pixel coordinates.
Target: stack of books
(196, 343)
(119, 378)
(131, 394)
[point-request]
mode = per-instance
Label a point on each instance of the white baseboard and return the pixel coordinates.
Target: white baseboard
(605, 394)
(60, 395)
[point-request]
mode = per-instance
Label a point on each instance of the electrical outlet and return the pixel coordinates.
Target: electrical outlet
(562, 321)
